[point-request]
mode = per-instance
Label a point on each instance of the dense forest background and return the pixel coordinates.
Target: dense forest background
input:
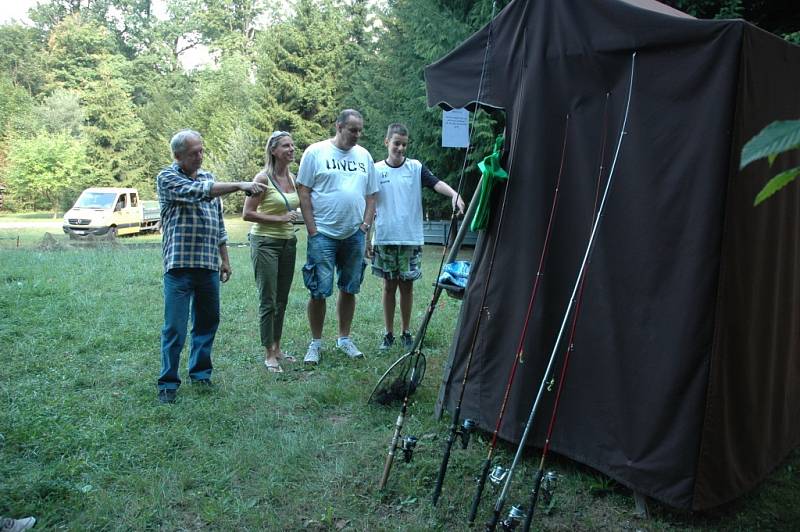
(92, 90)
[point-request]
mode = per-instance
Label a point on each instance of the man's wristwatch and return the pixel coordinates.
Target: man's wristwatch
(365, 224)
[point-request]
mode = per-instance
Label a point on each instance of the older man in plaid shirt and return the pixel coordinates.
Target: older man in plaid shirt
(195, 259)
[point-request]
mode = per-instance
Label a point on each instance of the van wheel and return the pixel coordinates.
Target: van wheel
(112, 233)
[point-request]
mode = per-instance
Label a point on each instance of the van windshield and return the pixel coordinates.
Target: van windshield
(96, 200)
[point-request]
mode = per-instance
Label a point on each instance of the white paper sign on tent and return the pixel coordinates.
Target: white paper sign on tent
(455, 128)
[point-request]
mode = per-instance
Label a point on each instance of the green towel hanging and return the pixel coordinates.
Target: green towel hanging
(492, 173)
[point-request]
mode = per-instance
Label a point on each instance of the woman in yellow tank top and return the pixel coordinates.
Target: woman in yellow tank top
(273, 246)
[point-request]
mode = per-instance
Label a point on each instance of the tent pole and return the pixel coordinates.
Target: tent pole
(464, 227)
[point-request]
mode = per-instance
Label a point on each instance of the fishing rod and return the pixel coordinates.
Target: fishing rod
(537, 481)
(463, 431)
(408, 443)
(540, 475)
(413, 357)
(492, 524)
(534, 290)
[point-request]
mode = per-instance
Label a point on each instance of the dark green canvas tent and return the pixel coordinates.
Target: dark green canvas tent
(685, 379)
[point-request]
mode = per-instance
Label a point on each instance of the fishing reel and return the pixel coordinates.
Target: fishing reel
(465, 432)
(498, 475)
(407, 445)
(548, 488)
(513, 519)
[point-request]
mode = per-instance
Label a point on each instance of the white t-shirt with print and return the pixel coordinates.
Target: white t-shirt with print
(339, 181)
(398, 208)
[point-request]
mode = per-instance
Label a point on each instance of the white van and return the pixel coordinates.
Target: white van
(109, 211)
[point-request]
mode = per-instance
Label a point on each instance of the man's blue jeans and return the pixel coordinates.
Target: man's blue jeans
(185, 290)
(326, 255)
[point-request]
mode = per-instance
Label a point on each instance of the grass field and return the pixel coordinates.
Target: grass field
(84, 445)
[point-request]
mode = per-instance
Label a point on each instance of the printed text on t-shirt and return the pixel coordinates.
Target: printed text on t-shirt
(345, 165)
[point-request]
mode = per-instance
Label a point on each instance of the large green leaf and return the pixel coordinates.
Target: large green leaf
(777, 183)
(776, 138)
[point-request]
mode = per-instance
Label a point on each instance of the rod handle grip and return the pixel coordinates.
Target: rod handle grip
(387, 466)
(476, 500)
(448, 446)
(492, 524)
(437, 489)
(537, 484)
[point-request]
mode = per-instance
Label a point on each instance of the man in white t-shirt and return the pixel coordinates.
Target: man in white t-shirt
(337, 186)
(398, 239)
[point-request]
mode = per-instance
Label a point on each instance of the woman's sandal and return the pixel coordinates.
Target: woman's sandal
(273, 368)
(287, 357)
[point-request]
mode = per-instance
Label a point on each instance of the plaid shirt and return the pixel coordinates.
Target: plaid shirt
(191, 220)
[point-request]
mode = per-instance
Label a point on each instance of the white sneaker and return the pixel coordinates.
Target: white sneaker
(16, 525)
(347, 346)
(312, 355)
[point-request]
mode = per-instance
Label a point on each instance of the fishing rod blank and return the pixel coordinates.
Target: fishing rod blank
(492, 524)
(534, 290)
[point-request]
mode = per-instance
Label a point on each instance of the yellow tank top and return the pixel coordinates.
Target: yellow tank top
(273, 203)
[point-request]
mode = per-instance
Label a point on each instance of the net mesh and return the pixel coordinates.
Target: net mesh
(405, 375)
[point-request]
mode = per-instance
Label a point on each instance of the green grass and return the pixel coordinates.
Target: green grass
(84, 445)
